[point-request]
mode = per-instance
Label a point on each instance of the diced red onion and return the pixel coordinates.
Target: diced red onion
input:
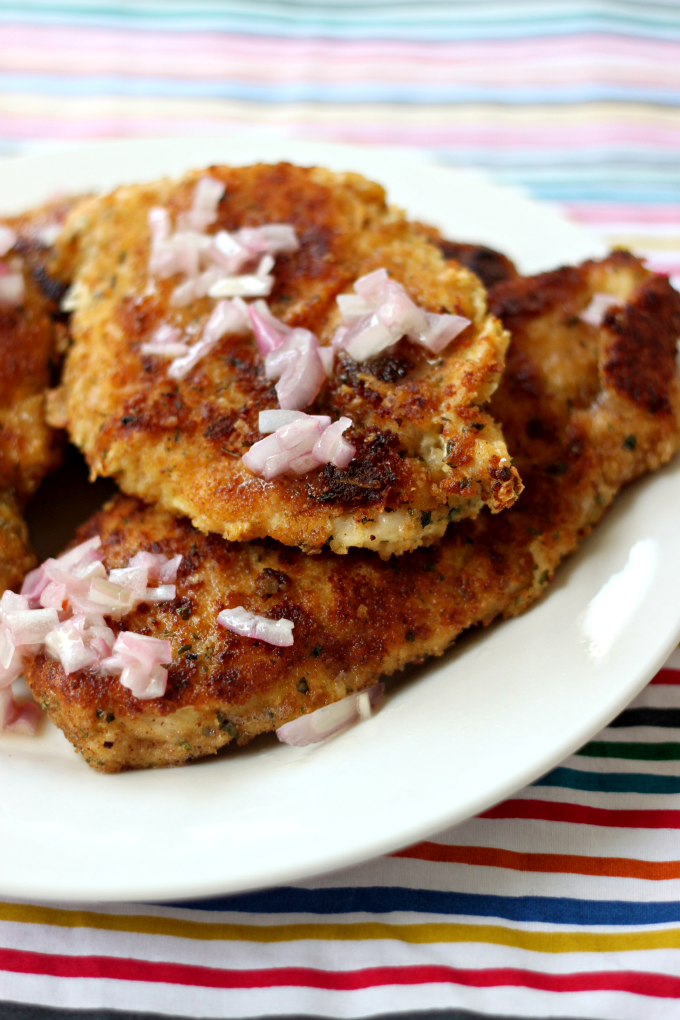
(12, 289)
(8, 709)
(167, 341)
(269, 332)
(441, 330)
(17, 718)
(331, 719)
(11, 659)
(248, 285)
(75, 591)
(113, 600)
(145, 684)
(31, 626)
(327, 355)
(139, 659)
(74, 556)
(159, 224)
(380, 313)
(66, 644)
(299, 370)
(598, 307)
(158, 567)
(260, 628)
(8, 238)
(370, 286)
(274, 238)
(132, 577)
(227, 317)
(297, 445)
(275, 418)
(12, 603)
(203, 212)
(229, 253)
(366, 338)
(161, 593)
(49, 234)
(352, 308)
(26, 719)
(332, 448)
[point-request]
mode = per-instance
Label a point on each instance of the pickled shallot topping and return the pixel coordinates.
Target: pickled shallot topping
(140, 661)
(18, 718)
(380, 313)
(260, 628)
(331, 719)
(62, 609)
(298, 443)
(297, 366)
(170, 342)
(12, 287)
(222, 265)
(8, 238)
(598, 308)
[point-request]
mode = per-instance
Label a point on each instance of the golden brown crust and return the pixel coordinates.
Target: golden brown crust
(490, 266)
(29, 448)
(357, 617)
(16, 558)
(419, 452)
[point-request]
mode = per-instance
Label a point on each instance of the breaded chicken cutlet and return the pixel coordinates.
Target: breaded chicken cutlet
(426, 454)
(29, 448)
(586, 409)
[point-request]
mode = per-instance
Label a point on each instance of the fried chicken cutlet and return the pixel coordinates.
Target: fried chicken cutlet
(586, 409)
(425, 453)
(29, 448)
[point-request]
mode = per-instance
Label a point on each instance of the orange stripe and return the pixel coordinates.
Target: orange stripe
(492, 857)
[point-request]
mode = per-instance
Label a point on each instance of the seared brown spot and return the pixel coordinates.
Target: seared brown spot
(640, 363)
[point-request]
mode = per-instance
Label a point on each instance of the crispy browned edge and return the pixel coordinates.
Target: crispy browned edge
(610, 414)
(29, 353)
(180, 444)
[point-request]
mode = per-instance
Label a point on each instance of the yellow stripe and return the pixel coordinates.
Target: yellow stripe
(536, 941)
(637, 242)
(21, 106)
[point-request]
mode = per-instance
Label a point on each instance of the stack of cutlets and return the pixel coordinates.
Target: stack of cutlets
(474, 468)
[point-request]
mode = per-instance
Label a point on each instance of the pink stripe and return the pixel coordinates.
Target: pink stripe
(600, 212)
(157, 45)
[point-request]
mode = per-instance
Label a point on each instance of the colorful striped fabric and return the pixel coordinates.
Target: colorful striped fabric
(564, 901)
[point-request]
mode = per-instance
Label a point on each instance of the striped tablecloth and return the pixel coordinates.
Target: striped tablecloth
(565, 900)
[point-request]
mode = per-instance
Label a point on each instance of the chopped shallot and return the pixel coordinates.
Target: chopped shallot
(598, 308)
(8, 239)
(140, 661)
(380, 313)
(63, 606)
(12, 289)
(222, 265)
(299, 444)
(260, 628)
(331, 719)
(298, 368)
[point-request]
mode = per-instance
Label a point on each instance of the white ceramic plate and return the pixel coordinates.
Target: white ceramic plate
(453, 737)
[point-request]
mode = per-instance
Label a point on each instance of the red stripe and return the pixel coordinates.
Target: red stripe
(667, 676)
(552, 811)
(104, 967)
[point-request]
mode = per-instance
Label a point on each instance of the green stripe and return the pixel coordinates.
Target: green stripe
(610, 782)
(640, 752)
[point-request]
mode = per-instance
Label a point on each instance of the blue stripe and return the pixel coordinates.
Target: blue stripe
(360, 21)
(383, 900)
(316, 91)
(610, 782)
